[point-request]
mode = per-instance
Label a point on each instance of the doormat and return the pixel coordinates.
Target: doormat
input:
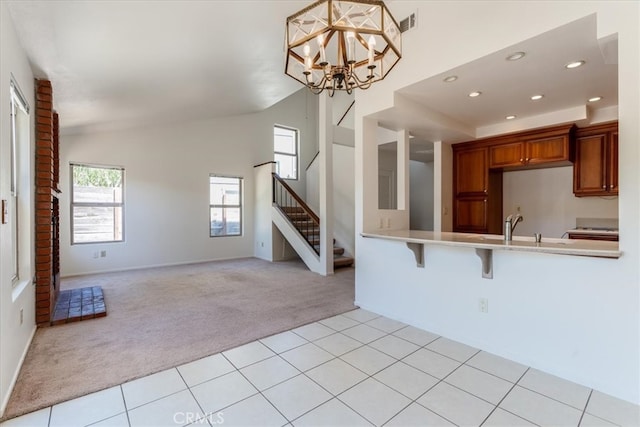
(74, 305)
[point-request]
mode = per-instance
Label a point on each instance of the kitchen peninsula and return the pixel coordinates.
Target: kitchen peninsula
(484, 244)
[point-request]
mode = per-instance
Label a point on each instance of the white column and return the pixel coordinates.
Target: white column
(403, 170)
(442, 187)
(325, 146)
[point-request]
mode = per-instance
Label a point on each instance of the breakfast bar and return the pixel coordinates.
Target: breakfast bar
(485, 244)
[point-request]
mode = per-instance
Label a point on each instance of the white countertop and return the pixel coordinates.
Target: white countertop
(493, 241)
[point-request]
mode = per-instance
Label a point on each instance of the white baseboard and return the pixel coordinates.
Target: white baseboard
(5, 401)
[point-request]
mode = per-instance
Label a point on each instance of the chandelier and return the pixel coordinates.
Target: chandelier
(342, 45)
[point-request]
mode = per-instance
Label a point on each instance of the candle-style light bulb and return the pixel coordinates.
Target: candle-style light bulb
(372, 44)
(307, 59)
(351, 46)
(323, 57)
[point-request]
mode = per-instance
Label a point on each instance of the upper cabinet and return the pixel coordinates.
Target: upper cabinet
(595, 172)
(533, 149)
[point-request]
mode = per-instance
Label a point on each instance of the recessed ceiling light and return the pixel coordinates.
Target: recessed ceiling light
(474, 94)
(510, 117)
(536, 97)
(574, 64)
(515, 56)
(595, 99)
(450, 79)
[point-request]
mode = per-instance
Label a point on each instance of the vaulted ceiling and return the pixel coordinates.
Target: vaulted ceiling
(118, 63)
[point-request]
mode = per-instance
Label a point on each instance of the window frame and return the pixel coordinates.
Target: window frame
(296, 155)
(73, 204)
(16, 159)
(222, 206)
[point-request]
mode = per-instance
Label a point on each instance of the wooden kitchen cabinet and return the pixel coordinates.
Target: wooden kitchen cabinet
(506, 155)
(595, 171)
(546, 148)
(477, 206)
(478, 166)
(471, 172)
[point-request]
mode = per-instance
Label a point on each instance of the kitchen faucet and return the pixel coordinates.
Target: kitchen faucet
(510, 225)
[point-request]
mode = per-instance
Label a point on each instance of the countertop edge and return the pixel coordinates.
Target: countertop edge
(515, 245)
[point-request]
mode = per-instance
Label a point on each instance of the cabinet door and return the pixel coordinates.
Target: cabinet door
(555, 149)
(506, 155)
(589, 170)
(471, 214)
(471, 171)
(613, 163)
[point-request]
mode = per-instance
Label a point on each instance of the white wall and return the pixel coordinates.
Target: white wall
(547, 203)
(575, 317)
(14, 337)
(421, 196)
(343, 195)
(166, 184)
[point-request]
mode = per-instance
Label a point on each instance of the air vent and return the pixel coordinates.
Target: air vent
(408, 23)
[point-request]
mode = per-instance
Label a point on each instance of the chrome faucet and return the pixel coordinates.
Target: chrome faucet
(510, 225)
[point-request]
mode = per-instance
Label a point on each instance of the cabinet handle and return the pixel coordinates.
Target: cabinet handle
(526, 160)
(611, 186)
(604, 187)
(521, 160)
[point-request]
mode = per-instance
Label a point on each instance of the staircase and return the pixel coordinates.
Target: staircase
(304, 220)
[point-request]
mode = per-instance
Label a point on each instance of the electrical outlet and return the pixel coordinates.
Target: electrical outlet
(445, 211)
(518, 209)
(483, 305)
(96, 254)
(103, 254)
(262, 244)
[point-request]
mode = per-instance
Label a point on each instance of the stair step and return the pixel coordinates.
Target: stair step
(342, 261)
(336, 249)
(292, 209)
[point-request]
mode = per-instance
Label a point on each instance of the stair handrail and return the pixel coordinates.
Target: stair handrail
(293, 194)
(290, 200)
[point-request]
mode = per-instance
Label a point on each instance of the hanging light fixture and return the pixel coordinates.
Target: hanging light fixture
(342, 44)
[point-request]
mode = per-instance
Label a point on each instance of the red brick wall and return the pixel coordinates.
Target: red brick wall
(46, 189)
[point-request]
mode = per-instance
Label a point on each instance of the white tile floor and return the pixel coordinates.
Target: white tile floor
(355, 369)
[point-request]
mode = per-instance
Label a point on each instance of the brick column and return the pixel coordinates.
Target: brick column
(45, 188)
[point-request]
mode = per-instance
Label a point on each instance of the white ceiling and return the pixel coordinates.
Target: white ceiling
(118, 63)
(435, 110)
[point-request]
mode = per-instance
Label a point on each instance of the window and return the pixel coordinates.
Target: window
(19, 206)
(97, 204)
(225, 206)
(285, 152)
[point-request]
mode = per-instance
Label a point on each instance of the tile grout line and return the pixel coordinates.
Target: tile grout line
(126, 410)
(377, 372)
(261, 394)
(443, 381)
(205, 416)
(504, 397)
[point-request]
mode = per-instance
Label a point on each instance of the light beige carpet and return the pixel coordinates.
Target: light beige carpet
(163, 317)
